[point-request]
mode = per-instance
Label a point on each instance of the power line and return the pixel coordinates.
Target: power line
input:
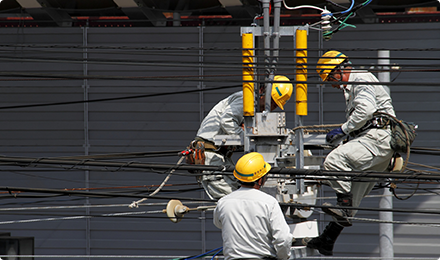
(168, 48)
(95, 194)
(25, 161)
(171, 93)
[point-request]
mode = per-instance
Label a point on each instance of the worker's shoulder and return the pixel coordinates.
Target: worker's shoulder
(236, 96)
(362, 76)
(249, 194)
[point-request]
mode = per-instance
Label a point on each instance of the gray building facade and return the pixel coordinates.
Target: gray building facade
(135, 81)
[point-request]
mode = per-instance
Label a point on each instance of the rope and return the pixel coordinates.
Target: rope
(393, 186)
(396, 222)
(135, 204)
(79, 217)
(315, 126)
(424, 165)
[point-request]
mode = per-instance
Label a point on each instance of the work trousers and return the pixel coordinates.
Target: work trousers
(217, 186)
(370, 151)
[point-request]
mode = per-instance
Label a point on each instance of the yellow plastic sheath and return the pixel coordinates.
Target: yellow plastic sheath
(248, 74)
(301, 72)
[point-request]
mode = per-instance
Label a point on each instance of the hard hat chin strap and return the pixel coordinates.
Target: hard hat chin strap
(343, 66)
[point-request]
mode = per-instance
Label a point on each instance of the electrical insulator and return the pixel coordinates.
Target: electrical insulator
(325, 24)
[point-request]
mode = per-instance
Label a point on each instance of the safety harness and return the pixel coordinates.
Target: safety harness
(378, 121)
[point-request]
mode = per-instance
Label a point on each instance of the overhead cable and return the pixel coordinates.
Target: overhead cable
(206, 65)
(95, 194)
(26, 161)
(168, 48)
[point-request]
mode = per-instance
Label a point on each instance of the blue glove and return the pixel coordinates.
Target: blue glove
(334, 135)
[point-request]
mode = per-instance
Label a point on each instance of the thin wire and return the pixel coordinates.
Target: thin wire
(368, 258)
(93, 206)
(302, 6)
(79, 217)
(90, 256)
(236, 54)
(349, 9)
(198, 48)
(201, 255)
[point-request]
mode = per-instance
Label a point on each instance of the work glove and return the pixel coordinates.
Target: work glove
(334, 135)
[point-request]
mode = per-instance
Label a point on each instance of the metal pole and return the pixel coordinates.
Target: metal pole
(301, 99)
(384, 60)
(386, 236)
(267, 36)
(201, 116)
(276, 34)
(321, 121)
(86, 135)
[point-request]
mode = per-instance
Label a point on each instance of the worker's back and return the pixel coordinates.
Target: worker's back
(253, 225)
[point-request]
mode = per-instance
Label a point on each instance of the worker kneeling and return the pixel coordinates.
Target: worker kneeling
(253, 225)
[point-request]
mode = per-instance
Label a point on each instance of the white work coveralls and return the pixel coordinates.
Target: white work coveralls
(368, 151)
(225, 118)
(253, 226)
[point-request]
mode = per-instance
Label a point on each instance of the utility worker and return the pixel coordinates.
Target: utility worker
(368, 148)
(226, 118)
(252, 223)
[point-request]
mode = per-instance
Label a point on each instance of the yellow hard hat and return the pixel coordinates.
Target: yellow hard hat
(281, 92)
(251, 167)
(328, 62)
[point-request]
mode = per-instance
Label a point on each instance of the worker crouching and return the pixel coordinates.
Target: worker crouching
(253, 225)
(226, 118)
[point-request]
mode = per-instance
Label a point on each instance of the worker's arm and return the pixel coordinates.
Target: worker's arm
(282, 238)
(216, 219)
(232, 118)
(361, 108)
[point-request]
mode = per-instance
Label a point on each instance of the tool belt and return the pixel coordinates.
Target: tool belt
(226, 151)
(197, 148)
(195, 152)
(209, 146)
(378, 121)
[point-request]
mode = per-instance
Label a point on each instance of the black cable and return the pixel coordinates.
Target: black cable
(210, 65)
(189, 91)
(118, 98)
(172, 53)
(429, 3)
(23, 161)
(96, 194)
(394, 210)
(88, 47)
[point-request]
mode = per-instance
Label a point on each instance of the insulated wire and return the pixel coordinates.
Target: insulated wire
(129, 214)
(196, 48)
(183, 92)
(234, 54)
(349, 9)
(207, 65)
(135, 204)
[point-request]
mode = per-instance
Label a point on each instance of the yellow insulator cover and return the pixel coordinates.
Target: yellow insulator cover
(248, 74)
(301, 72)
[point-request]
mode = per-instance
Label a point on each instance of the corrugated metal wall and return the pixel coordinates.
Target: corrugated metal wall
(169, 122)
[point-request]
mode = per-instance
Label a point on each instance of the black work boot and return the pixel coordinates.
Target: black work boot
(341, 215)
(325, 242)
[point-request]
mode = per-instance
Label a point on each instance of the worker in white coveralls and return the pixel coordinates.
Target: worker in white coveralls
(252, 223)
(226, 118)
(368, 147)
